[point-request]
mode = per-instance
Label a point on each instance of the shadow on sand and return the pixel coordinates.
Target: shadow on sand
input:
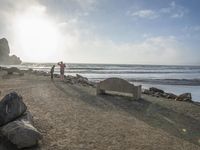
(155, 115)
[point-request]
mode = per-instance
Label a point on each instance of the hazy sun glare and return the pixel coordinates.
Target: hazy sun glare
(37, 36)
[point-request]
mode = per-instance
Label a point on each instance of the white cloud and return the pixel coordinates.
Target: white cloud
(172, 11)
(178, 15)
(67, 9)
(87, 4)
(150, 14)
(152, 50)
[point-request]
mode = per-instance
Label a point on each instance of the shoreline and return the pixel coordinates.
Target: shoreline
(179, 86)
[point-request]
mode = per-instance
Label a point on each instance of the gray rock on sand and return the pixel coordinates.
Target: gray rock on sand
(83, 80)
(21, 132)
(170, 95)
(13, 70)
(156, 90)
(187, 97)
(184, 97)
(147, 92)
(11, 107)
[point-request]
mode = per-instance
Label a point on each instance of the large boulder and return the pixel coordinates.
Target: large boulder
(4, 54)
(13, 70)
(170, 95)
(11, 107)
(147, 92)
(21, 132)
(184, 97)
(5, 144)
(156, 90)
(83, 80)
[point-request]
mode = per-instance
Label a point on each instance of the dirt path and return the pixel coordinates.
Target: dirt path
(73, 117)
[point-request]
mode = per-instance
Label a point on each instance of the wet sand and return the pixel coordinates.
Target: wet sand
(73, 117)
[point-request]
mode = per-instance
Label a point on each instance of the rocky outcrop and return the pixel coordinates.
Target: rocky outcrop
(5, 58)
(11, 107)
(187, 97)
(4, 47)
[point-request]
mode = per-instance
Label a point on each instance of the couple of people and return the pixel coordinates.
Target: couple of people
(62, 70)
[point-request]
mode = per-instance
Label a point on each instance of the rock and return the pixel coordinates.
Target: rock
(69, 79)
(27, 116)
(184, 97)
(81, 78)
(56, 75)
(157, 94)
(11, 107)
(147, 92)
(5, 144)
(154, 90)
(4, 54)
(14, 70)
(21, 132)
(3, 68)
(14, 60)
(84, 81)
(30, 70)
(170, 96)
(41, 73)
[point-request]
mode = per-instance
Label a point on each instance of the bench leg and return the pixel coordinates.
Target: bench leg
(99, 91)
(137, 92)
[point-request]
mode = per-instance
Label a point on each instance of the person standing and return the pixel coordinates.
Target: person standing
(52, 71)
(62, 70)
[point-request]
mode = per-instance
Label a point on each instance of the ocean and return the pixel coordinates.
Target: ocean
(175, 79)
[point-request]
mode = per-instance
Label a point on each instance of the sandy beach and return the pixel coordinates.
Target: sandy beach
(72, 117)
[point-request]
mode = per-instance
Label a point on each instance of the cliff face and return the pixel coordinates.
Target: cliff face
(5, 58)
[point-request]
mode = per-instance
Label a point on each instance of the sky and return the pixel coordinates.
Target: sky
(161, 32)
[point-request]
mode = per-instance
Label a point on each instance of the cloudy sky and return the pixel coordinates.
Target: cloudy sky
(103, 31)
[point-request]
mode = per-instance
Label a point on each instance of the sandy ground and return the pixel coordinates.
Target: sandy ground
(72, 117)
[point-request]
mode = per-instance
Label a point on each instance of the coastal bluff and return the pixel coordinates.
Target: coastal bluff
(5, 57)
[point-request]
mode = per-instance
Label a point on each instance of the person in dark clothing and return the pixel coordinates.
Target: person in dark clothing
(52, 71)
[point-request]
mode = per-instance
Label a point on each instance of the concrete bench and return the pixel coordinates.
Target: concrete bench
(119, 85)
